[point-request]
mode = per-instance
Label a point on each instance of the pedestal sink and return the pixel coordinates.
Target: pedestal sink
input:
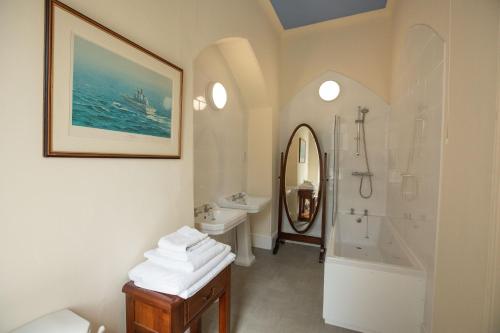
(214, 220)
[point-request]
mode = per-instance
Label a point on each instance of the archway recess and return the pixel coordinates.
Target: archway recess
(259, 149)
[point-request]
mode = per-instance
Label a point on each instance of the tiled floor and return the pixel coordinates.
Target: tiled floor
(282, 293)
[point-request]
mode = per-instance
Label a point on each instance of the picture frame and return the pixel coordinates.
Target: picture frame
(302, 150)
(104, 95)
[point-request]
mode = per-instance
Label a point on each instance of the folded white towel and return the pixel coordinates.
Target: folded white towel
(203, 243)
(193, 252)
(195, 262)
(208, 277)
(181, 240)
(154, 277)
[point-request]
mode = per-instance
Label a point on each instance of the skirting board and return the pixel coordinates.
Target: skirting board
(263, 241)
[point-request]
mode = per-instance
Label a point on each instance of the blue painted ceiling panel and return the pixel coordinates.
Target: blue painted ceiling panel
(297, 13)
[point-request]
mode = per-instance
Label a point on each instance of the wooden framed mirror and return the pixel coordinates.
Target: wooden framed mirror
(302, 172)
(302, 188)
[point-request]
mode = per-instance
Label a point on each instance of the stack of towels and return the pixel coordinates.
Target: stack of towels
(184, 262)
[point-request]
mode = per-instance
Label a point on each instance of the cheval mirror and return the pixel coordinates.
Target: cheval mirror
(302, 190)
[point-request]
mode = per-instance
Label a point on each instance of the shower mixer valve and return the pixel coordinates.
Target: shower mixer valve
(362, 174)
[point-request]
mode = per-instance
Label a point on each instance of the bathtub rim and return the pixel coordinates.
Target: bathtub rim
(379, 266)
(416, 268)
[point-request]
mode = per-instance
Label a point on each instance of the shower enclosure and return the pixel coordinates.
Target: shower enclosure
(373, 282)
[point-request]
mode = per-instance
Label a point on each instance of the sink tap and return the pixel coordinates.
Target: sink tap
(208, 211)
(197, 211)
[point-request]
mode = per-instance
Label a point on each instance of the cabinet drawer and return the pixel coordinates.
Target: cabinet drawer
(203, 298)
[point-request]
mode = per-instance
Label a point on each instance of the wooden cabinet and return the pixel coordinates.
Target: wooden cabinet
(152, 312)
(306, 204)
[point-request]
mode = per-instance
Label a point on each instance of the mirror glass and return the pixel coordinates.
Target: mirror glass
(302, 190)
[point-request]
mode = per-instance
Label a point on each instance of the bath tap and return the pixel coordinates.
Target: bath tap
(352, 211)
(366, 212)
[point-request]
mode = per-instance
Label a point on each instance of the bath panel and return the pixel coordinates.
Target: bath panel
(373, 283)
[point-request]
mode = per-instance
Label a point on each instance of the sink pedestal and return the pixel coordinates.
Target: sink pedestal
(251, 205)
(244, 255)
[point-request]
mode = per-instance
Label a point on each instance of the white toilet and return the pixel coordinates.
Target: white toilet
(63, 321)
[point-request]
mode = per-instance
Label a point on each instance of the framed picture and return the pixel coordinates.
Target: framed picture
(302, 150)
(106, 96)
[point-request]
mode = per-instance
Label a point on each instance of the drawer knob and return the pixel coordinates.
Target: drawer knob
(209, 295)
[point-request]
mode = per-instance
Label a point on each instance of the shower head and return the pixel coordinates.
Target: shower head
(362, 111)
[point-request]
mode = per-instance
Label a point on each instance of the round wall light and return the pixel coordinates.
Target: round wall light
(217, 95)
(199, 103)
(329, 90)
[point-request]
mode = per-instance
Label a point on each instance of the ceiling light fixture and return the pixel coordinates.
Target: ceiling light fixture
(217, 95)
(329, 91)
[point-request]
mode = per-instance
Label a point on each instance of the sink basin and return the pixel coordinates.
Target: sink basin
(214, 220)
(218, 220)
(243, 201)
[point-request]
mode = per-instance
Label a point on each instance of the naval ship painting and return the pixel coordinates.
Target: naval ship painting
(115, 94)
(139, 101)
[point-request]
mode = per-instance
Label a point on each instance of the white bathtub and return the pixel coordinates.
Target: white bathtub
(372, 282)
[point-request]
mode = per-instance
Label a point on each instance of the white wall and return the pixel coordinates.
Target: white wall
(358, 47)
(470, 32)
(307, 107)
(415, 148)
(261, 175)
(220, 136)
(256, 94)
(495, 255)
(465, 222)
(357, 50)
(72, 228)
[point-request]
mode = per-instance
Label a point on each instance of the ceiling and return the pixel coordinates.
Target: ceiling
(298, 13)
